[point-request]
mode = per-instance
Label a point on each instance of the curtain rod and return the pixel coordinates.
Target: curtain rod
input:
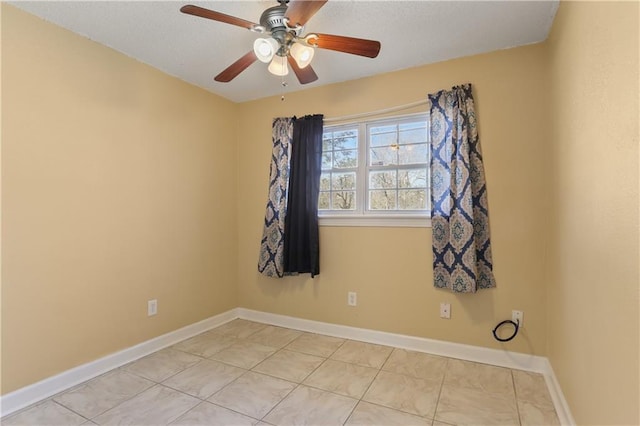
(378, 112)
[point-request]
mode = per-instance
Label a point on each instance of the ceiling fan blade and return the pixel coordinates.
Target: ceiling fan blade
(216, 16)
(236, 68)
(300, 11)
(355, 46)
(305, 75)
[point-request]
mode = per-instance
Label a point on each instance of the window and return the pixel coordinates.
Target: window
(376, 173)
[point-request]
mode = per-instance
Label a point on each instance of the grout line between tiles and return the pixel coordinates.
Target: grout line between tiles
(405, 375)
(98, 377)
(317, 334)
(280, 402)
(206, 401)
(73, 411)
(314, 370)
(236, 379)
(184, 393)
(515, 394)
(131, 397)
(181, 371)
(339, 346)
(444, 376)
(370, 384)
(155, 384)
(351, 412)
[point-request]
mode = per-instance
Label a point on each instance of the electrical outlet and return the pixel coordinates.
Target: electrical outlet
(352, 298)
(152, 307)
(517, 317)
(445, 310)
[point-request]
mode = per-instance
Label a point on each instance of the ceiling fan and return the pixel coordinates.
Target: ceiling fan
(286, 44)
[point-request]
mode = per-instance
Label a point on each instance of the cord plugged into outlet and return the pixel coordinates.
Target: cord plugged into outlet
(517, 317)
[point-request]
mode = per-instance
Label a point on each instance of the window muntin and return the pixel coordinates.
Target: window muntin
(376, 168)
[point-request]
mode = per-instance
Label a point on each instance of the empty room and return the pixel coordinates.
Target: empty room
(320, 213)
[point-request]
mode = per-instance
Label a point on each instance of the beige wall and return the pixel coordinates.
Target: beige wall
(593, 269)
(118, 187)
(390, 268)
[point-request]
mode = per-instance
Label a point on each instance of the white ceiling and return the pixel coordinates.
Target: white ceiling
(194, 49)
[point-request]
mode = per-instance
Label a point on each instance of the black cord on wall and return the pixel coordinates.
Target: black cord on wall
(516, 327)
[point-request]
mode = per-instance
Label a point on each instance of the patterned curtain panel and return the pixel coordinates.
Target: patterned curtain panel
(460, 217)
(271, 261)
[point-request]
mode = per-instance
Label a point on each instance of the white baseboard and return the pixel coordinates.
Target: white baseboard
(436, 347)
(479, 354)
(43, 389)
(560, 403)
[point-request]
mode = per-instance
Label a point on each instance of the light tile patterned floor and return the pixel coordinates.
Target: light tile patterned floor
(246, 373)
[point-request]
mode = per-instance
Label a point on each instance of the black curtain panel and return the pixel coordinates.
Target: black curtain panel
(301, 241)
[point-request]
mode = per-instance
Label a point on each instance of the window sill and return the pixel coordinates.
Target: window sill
(376, 221)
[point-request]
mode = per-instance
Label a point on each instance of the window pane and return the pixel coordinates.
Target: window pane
(326, 160)
(345, 139)
(412, 199)
(382, 179)
(413, 125)
(345, 143)
(345, 133)
(383, 156)
(383, 139)
(413, 154)
(345, 159)
(413, 136)
(325, 181)
(323, 201)
(412, 178)
(344, 200)
(327, 144)
(382, 200)
(343, 181)
(384, 129)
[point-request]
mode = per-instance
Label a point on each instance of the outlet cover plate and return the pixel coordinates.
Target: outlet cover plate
(445, 310)
(352, 298)
(152, 307)
(517, 316)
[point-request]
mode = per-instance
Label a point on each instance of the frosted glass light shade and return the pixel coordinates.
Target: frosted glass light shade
(265, 48)
(278, 66)
(302, 54)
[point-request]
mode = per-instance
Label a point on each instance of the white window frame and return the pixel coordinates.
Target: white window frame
(361, 216)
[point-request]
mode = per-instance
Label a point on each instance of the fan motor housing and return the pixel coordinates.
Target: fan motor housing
(273, 18)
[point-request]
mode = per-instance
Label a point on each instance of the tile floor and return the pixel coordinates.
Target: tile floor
(247, 373)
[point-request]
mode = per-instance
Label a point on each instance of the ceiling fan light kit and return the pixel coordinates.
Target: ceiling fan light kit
(268, 50)
(278, 66)
(302, 54)
(265, 48)
(286, 47)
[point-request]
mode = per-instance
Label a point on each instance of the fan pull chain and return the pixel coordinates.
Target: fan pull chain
(283, 82)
